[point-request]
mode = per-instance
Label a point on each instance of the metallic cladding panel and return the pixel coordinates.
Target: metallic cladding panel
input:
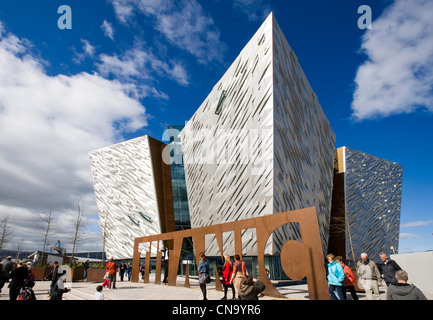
(304, 143)
(269, 150)
(373, 188)
(228, 157)
(125, 193)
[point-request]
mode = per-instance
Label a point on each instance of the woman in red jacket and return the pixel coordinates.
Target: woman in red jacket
(227, 275)
(349, 280)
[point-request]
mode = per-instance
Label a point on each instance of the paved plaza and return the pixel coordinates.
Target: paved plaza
(126, 290)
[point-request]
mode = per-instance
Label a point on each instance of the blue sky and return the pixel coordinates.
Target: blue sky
(132, 67)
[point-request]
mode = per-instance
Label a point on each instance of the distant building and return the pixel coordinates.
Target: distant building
(366, 205)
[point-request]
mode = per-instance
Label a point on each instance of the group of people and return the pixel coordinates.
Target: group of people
(341, 279)
(234, 275)
(21, 279)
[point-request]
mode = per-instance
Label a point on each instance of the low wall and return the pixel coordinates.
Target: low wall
(419, 266)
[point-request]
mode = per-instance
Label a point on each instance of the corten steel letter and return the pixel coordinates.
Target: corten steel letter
(298, 260)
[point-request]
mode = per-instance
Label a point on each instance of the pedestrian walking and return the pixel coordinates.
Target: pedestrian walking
(98, 294)
(402, 290)
(369, 277)
(166, 257)
(53, 276)
(335, 278)
(128, 271)
(239, 272)
(387, 269)
(203, 270)
(349, 280)
(227, 275)
(59, 287)
(112, 270)
(7, 269)
(86, 266)
(106, 282)
(18, 276)
(122, 270)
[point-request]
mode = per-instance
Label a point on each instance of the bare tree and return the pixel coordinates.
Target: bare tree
(80, 215)
(105, 226)
(6, 233)
(47, 217)
(19, 248)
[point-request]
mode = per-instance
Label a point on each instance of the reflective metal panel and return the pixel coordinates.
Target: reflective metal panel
(124, 185)
(268, 149)
(371, 196)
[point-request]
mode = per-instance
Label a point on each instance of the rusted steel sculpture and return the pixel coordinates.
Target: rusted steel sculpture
(298, 259)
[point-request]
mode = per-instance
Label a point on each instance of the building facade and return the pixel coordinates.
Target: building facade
(133, 193)
(259, 144)
(366, 205)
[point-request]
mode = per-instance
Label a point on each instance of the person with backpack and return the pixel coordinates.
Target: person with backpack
(239, 272)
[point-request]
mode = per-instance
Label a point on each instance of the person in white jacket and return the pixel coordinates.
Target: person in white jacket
(59, 288)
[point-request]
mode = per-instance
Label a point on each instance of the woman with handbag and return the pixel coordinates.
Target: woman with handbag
(203, 270)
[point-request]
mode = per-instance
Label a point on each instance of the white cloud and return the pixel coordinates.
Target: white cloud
(397, 76)
(48, 124)
(253, 9)
(416, 224)
(139, 63)
(88, 50)
(409, 236)
(107, 27)
(184, 25)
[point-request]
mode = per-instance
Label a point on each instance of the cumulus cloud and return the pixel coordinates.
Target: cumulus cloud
(397, 76)
(48, 124)
(138, 63)
(183, 23)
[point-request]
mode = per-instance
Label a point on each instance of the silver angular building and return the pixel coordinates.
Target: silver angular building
(259, 144)
(133, 193)
(366, 205)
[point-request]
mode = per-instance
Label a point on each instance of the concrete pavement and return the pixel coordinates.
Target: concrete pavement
(126, 290)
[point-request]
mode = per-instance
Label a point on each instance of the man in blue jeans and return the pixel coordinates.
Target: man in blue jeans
(335, 278)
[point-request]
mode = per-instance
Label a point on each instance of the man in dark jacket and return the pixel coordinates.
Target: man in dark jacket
(249, 290)
(402, 290)
(17, 280)
(54, 276)
(388, 268)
